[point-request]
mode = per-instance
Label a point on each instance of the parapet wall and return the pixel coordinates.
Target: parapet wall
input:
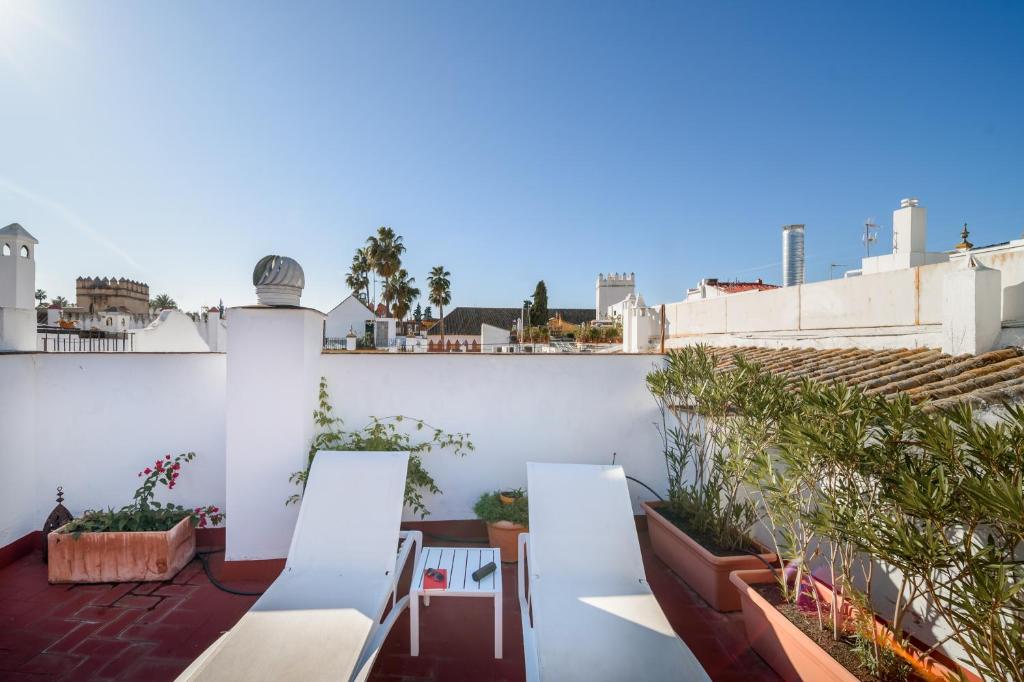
(898, 308)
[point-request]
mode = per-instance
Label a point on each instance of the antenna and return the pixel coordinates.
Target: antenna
(870, 235)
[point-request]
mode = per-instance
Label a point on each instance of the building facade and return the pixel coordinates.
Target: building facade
(99, 294)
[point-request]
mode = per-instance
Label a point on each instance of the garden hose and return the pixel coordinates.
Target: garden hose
(216, 583)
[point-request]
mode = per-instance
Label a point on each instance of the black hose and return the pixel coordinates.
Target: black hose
(653, 491)
(216, 583)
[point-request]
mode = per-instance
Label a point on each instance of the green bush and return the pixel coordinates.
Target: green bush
(490, 508)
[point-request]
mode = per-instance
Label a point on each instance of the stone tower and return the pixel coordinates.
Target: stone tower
(611, 290)
(17, 289)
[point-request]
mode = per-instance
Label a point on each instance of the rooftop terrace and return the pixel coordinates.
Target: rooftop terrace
(152, 631)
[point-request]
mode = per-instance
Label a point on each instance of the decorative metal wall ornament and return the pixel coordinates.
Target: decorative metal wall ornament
(57, 518)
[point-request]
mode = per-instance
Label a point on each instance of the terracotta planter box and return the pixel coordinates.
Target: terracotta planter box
(791, 653)
(706, 573)
(120, 557)
(505, 536)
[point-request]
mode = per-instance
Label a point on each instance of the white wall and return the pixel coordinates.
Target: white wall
(517, 409)
(898, 308)
(91, 421)
(172, 332)
(18, 505)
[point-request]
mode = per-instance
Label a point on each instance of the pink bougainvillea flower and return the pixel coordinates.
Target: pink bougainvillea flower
(147, 471)
(167, 456)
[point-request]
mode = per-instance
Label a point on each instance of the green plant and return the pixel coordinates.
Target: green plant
(705, 462)
(382, 434)
(491, 509)
(145, 513)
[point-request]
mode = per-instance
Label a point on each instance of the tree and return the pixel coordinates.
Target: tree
(384, 252)
(440, 287)
(401, 291)
(428, 313)
(163, 302)
(417, 314)
(61, 302)
(40, 297)
(358, 277)
(539, 311)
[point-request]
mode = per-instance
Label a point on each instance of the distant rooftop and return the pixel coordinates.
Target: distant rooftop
(467, 321)
(924, 374)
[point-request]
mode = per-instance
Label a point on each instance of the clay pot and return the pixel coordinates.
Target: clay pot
(706, 573)
(505, 536)
(120, 557)
(794, 655)
(507, 497)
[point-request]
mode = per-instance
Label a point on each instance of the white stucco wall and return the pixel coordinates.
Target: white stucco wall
(517, 408)
(898, 308)
(172, 332)
(91, 421)
(18, 504)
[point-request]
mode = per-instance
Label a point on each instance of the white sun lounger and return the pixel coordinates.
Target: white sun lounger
(594, 616)
(321, 619)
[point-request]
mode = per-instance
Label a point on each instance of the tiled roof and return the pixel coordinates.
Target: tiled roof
(467, 321)
(922, 373)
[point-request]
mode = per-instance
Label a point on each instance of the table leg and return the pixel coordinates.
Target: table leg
(497, 625)
(414, 625)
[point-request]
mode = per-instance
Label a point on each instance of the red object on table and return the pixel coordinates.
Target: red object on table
(430, 582)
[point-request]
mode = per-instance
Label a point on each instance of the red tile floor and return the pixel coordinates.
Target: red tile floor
(151, 631)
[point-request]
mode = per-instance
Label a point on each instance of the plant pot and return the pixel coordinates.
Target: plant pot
(505, 536)
(120, 557)
(794, 655)
(706, 573)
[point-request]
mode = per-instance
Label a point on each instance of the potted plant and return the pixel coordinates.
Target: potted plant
(859, 482)
(145, 540)
(510, 496)
(504, 522)
(710, 421)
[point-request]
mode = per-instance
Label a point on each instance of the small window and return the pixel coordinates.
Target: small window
(24, 252)
(7, 249)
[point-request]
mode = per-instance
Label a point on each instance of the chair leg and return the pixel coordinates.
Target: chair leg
(497, 625)
(414, 625)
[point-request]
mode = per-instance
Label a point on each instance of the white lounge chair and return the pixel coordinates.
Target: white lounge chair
(321, 618)
(594, 615)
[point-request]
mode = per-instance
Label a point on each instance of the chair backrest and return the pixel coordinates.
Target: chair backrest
(351, 512)
(581, 522)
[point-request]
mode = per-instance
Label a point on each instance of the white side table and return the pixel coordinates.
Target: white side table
(460, 563)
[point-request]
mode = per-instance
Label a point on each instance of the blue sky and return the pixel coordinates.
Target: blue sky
(178, 142)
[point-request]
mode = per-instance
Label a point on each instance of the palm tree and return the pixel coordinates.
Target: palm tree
(384, 251)
(440, 287)
(358, 277)
(401, 291)
(161, 302)
(61, 302)
(40, 297)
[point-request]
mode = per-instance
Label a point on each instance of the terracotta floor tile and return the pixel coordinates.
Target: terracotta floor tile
(178, 619)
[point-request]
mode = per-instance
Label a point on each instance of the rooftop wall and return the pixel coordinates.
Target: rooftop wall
(91, 421)
(899, 308)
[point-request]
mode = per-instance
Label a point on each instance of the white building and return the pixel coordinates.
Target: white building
(966, 300)
(909, 233)
(17, 289)
(349, 315)
(611, 290)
